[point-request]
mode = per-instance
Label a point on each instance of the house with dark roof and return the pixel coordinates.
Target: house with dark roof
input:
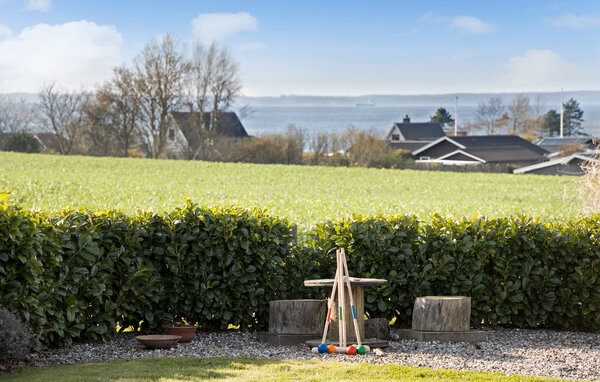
(407, 135)
(568, 165)
(502, 150)
(562, 147)
(185, 131)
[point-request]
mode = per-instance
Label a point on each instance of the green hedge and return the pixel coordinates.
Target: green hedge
(76, 275)
(81, 276)
(519, 271)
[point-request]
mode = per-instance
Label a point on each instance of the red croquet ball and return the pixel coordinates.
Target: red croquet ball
(351, 350)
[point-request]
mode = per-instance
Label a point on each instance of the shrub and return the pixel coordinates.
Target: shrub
(16, 339)
(22, 142)
(75, 275)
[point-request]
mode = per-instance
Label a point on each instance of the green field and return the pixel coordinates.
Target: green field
(305, 195)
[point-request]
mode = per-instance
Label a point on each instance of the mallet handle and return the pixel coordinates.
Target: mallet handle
(333, 290)
(354, 319)
(341, 322)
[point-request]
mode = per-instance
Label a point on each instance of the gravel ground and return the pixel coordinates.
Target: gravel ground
(545, 353)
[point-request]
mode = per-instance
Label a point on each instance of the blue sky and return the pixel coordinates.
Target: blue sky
(316, 47)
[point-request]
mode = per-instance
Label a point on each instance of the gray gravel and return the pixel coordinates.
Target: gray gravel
(545, 353)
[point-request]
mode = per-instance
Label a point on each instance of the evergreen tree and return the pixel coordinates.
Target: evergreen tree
(550, 123)
(443, 117)
(572, 118)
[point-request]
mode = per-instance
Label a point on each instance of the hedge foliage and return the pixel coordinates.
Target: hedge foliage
(76, 275)
(81, 276)
(518, 271)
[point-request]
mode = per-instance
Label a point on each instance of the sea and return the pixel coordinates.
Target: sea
(265, 120)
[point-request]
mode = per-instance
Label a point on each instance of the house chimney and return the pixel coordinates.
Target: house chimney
(406, 119)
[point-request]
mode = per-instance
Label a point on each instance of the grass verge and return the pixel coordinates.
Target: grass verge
(247, 369)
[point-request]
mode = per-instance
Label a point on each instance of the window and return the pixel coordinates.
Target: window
(171, 134)
(395, 137)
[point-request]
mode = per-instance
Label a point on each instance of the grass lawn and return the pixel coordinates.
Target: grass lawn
(247, 369)
(304, 194)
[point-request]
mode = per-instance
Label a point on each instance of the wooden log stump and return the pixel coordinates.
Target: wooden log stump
(358, 294)
(377, 328)
(305, 317)
(442, 313)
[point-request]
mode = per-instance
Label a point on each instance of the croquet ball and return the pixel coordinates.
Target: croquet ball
(351, 350)
(330, 349)
(361, 350)
(322, 348)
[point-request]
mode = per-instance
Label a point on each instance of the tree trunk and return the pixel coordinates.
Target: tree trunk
(297, 316)
(442, 313)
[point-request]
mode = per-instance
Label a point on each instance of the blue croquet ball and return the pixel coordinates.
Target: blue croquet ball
(322, 348)
(361, 350)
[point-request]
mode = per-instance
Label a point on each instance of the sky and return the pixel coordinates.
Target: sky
(315, 47)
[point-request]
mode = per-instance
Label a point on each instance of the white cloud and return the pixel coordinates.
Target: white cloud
(541, 70)
(75, 55)
(5, 32)
(432, 18)
(38, 5)
(209, 27)
(465, 24)
(472, 25)
(574, 22)
(248, 46)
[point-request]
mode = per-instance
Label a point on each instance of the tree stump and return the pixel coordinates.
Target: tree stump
(305, 317)
(358, 294)
(377, 328)
(442, 314)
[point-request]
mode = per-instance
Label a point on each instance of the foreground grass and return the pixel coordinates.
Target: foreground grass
(306, 195)
(247, 369)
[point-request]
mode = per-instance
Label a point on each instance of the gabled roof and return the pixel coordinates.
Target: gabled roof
(419, 131)
(475, 141)
(461, 152)
(505, 154)
(438, 141)
(558, 141)
(554, 162)
(489, 142)
(228, 125)
(555, 144)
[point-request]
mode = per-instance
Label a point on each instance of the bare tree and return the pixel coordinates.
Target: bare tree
(224, 85)
(319, 145)
(15, 115)
(159, 70)
(212, 83)
(519, 110)
(295, 138)
(535, 121)
(123, 106)
(489, 115)
(201, 73)
(59, 111)
(97, 126)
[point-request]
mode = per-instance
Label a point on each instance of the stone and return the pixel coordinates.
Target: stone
(419, 335)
